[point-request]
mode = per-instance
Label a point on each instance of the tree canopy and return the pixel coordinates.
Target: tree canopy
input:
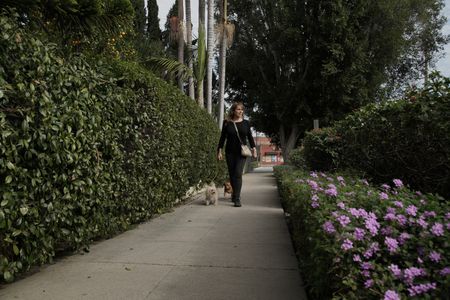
(295, 61)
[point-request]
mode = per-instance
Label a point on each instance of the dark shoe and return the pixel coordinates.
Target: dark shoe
(237, 203)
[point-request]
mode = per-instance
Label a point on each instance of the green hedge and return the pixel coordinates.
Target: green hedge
(407, 138)
(88, 148)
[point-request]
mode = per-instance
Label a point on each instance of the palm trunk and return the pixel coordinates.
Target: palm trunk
(210, 52)
(180, 40)
(223, 59)
(189, 47)
(201, 28)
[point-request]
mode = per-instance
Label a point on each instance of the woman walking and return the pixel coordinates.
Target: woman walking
(233, 125)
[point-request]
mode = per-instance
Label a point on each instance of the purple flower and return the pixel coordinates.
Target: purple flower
(343, 220)
(313, 185)
(358, 213)
(313, 174)
(422, 223)
(341, 205)
(429, 214)
(391, 244)
(385, 187)
(372, 225)
(447, 216)
(398, 183)
(403, 237)
(395, 270)
(365, 182)
(359, 234)
(315, 204)
(347, 245)
(445, 271)
(411, 210)
(328, 227)
(437, 229)
(419, 260)
(357, 258)
(390, 217)
(366, 266)
(366, 273)
(383, 196)
(298, 180)
(410, 273)
(398, 204)
(401, 219)
(418, 289)
(330, 179)
(386, 230)
(340, 179)
(331, 191)
(391, 295)
(423, 202)
(435, 256)
(391, 210)
(368, 283)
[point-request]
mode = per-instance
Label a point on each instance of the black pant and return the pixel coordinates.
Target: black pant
(235, 163)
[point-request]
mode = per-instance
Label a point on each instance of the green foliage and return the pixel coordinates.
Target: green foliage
(153, 30)
(88, 148)
(407, 139)
(319, 59)
(350, 237)
(321, 149)
(297, 158)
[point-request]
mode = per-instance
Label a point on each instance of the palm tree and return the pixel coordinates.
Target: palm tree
(201, 41)
(210, 55)
(222, 60)
(189, 47)
(180, 39)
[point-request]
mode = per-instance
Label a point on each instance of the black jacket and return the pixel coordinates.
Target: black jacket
(233, 145)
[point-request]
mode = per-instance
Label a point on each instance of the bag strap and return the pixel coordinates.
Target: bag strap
(237, 132)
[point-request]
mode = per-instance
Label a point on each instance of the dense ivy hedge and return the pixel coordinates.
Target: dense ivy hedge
(407, 138)
(88, 148)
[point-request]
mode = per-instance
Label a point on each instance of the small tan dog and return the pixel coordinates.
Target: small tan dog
(227, 189)
(211, 196)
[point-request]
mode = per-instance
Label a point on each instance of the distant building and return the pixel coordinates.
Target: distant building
(268, 154)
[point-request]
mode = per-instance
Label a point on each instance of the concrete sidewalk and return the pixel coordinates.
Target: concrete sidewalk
(196, 252)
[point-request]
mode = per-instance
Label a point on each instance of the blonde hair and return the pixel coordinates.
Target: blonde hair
(231, 111)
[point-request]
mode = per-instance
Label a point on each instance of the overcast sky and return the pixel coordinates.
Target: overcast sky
(443, 65)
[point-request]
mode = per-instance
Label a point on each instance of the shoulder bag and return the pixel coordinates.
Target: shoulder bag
(245, 150)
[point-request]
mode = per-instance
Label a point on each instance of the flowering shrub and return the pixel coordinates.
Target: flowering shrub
(356, 241)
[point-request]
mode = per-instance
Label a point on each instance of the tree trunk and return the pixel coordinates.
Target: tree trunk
(288, 143)
(180, 40)
(210, 54)
(201, 28)
(223, 59)
(189, 47)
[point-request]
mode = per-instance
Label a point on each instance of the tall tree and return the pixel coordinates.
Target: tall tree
(140, 18)
(153, 30)
(222, 59)
(210, 55)
(180, 40)
(295, 61)
(189, 48)
(201, 39)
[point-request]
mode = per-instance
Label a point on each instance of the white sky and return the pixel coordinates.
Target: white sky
(443, 64)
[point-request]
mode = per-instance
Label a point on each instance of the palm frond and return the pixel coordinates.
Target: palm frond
(170, 67)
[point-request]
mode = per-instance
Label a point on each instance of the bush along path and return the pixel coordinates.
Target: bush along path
(356, 241)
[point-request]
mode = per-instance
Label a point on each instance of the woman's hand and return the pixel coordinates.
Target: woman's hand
(219, 155)
(254, 153)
